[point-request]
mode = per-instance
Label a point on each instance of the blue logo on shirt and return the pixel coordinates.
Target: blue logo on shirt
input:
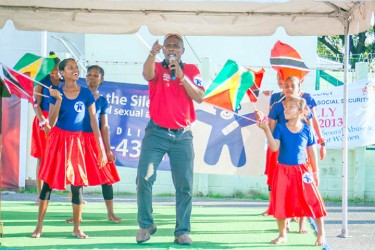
(198, 81)
(79, 106)
(307, 178)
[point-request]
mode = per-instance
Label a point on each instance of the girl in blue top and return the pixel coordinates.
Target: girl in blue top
(271, 157)
(292, 88)
(311, 104)
(40, 127)
(294, 187)
(107, 175)
(65, 162)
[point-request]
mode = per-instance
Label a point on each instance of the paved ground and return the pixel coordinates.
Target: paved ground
(361, 217)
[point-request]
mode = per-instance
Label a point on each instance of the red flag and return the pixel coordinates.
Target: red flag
(253, 91)
(287, 61)
(18, 84)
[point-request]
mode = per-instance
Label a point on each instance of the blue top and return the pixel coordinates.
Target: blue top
(293, 145)
(44, 101)
(102, 108)
(277, 111)
(72, 112)
(276, 97)
(310, 101)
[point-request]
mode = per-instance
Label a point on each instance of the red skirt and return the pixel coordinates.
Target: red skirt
(38, 138)
(271, 162)
(95, 175)
(294, 193)
(64, 161)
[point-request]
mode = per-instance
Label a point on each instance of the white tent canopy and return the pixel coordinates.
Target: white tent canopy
(189, 17)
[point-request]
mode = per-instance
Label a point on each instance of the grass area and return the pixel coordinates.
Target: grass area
(240, 195)
(212, 228)
(351, 201)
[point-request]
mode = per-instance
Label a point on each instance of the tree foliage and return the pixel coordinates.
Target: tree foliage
(361, 46)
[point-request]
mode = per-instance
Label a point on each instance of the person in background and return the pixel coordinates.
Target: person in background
(40, 127)
(65, 162)
(271, 157)
(279, 96)
(173, 86)
(311, 104)
(294, 187)
(107, 175)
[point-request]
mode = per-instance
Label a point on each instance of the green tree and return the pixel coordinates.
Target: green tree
(362, 46)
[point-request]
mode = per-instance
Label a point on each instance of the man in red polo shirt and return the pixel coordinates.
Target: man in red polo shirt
(173, 86)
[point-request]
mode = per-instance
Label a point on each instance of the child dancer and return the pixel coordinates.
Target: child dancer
(271, 157)
(292, 88)
(41, 128)
(107, 175)
(294, 187)
(65, 162)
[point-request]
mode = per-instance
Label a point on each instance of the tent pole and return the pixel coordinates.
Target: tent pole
(344, 229)
(1, 149)
(43, 44)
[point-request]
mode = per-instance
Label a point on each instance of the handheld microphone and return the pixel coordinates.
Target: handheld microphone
(173, 71)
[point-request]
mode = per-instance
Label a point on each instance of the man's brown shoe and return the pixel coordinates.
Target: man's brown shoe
(183, 239)
(144, 234)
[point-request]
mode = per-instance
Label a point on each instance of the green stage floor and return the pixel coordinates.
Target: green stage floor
(213, 227)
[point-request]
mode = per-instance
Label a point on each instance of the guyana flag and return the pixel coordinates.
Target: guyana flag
(286, 60)
(36, 67)
(229, 87)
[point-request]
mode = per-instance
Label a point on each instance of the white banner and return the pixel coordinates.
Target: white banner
(361, 114)
(226, 143)
(229, 143)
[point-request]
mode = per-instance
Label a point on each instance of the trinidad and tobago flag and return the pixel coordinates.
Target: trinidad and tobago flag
(253, 91)
(18, 84)
(286, 60)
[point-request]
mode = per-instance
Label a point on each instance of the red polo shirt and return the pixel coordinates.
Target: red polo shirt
(170, 105)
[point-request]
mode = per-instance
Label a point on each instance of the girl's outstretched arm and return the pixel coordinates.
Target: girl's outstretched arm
(263, 124)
